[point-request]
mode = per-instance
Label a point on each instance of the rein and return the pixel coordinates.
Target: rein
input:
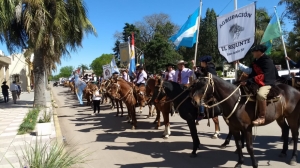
(211, 83)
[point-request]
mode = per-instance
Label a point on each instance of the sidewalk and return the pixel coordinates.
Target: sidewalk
(11, 116)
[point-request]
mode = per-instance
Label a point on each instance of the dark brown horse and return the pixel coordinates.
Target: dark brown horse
(242, 112)
(179, 94)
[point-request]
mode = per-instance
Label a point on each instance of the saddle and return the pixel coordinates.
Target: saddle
(273, 96)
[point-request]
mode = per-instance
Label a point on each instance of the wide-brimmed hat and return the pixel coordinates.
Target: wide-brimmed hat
(298, 49)
(115, 73)
(206, 58)
(260, 47)
(170, 64)
(3, 82)
(181, 62)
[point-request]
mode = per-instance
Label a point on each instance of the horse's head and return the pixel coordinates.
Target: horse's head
(150, 88)
(141, 95)
(202, 90)
(159, 91)
(113, 90)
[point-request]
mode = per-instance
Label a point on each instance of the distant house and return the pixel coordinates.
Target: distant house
(4, 68)
(20, 70)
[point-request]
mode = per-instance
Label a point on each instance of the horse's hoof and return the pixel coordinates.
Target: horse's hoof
(193, 155)
(282, 155)
(133, 127)
(238, 165)
(223, 146)
(215, 136)
(293, 162)
(166, 137)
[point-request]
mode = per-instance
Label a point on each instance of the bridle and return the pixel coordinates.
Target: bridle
(210, 82)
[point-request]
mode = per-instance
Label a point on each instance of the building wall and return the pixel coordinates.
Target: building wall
(18, 70)
(4, 68)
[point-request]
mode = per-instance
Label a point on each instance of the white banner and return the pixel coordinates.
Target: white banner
(106, 71)
(236, 32)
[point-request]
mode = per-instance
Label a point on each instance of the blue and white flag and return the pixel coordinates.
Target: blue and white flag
(79, 87)
(187, 35)
(113, 65)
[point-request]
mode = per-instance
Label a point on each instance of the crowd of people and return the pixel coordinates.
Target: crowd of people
(15, 91)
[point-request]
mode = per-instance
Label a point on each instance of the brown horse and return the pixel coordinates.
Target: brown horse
(164, 108)
(122, 90)
(114, 101)
(240, 112)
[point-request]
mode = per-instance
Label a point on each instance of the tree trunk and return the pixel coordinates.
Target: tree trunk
(39, 79)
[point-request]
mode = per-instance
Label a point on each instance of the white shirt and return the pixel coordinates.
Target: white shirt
(95, 78)
(185, 74)
(141, 78)
(14, 87)
(96, 93)
(125, 76)
(171, 75)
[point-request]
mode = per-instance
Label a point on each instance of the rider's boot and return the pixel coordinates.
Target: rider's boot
(201, 113)
(262, 107)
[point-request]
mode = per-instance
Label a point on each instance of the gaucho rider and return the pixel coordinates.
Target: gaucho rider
(263, 74)
(206, 66)
(170, 72)
(182, 75)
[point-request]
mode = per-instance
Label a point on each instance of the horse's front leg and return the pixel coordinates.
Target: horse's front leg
(121, 105)
(294, 125)
(227, 140)
(217, 128)
(238, 143)
(167, 131)
(134, 121)
(285, 129)
(249, 144)
(117, 103)
(196, 142)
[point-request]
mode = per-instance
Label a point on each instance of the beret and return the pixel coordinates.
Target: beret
(260, 47)
(206, 58)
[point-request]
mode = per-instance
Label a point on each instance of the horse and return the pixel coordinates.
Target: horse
(115, 101)
(164, 108)
(179, 94)
(281, 106)
(123, 91)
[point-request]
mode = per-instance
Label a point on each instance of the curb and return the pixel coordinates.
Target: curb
(59, 136)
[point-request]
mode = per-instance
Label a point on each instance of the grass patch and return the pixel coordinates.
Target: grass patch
(29, 121)
(50, 155)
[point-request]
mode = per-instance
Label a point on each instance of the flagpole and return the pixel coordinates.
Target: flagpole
(236, 65)
(198, 28)
(283, 43)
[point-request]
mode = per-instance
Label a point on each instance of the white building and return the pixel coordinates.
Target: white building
(19, 70)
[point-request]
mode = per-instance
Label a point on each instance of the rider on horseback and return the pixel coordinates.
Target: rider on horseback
(297, 65)
(263, 74)
(141, 77)
(170, 72)
(206, 66)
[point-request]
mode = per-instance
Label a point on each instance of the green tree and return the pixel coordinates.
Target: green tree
(83, 67)
(97, 63)
(48, 27)
(66, 71)
(158, 52)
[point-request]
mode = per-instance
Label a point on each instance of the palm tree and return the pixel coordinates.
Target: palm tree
(51, 28)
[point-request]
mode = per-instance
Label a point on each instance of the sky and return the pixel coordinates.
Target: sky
(109, 16)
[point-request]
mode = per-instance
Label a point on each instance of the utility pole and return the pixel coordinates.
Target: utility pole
(236, 65)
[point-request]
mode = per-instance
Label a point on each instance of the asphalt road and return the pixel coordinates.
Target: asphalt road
(114, 144)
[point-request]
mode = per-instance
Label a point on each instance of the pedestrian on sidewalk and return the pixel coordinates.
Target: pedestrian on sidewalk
(14, 91)
(96, 101)
(5, 91)
(19, 90)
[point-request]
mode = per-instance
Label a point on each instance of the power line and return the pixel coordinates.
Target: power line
(225, 7)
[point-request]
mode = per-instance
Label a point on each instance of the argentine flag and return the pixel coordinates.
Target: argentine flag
(187, 35)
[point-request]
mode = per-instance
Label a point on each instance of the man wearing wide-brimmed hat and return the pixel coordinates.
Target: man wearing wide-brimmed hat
(170, 72)
(141, 77)
(5, 88)
(182, 74)
(263, 74)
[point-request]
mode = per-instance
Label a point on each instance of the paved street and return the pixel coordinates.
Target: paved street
(114, 144)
